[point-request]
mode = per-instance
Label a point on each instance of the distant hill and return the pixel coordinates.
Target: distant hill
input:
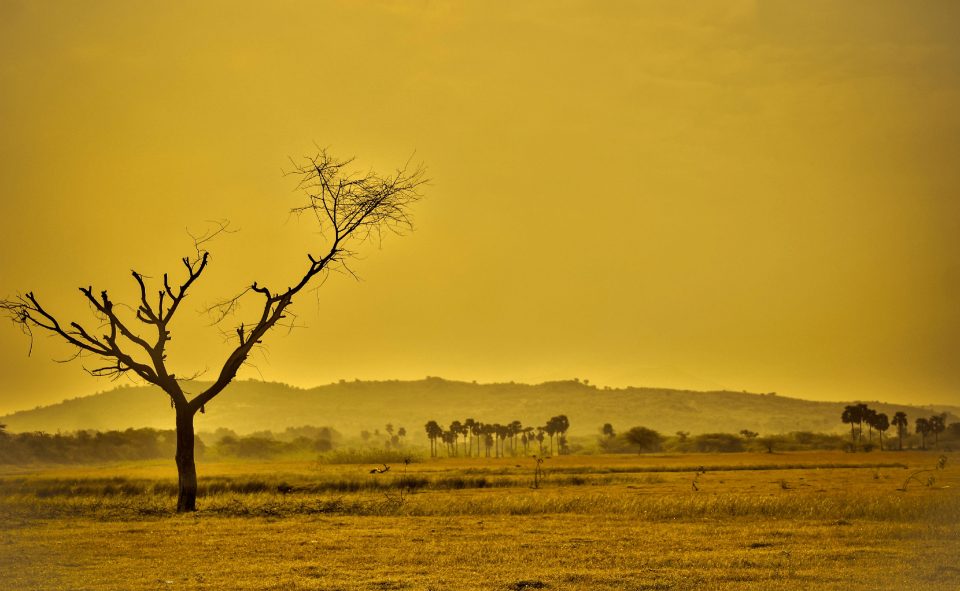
(350, 407)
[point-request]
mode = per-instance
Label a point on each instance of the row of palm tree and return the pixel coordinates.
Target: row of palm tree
(495, 439)
(856, 415)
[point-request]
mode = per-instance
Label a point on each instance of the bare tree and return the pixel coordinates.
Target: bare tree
(350, 208)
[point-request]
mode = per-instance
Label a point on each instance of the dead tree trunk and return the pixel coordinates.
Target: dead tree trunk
(186, 464)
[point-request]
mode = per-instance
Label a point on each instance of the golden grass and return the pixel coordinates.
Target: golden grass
(758, 521)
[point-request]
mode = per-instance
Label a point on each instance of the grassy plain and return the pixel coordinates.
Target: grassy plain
(817, 520)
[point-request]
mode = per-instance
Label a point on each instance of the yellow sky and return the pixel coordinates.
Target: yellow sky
(751, 196)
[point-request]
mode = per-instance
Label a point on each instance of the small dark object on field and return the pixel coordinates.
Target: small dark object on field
(537, 471)
(693, 483)
(521, 585)
(284, 488)
(385, 468)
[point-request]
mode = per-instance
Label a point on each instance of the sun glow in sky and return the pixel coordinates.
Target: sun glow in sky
(755, 196)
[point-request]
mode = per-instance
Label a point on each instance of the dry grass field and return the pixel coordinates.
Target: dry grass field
(818, 520)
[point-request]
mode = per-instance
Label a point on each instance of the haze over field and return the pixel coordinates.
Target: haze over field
(742, 195)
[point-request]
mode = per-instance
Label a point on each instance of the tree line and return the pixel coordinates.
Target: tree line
(149, 444)
(646, 440)
(858, 415)
(498, 440)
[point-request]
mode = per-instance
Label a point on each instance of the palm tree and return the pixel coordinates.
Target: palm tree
(938, 424)
(923, 428)
(455, 429)
(882, 423)
(851, 415)
(434, 431)
(528, 435)
(503, 432)
(469, 424)
(562, 425)
(869, 417)
(515, 427)
(495, 434)
(551, 429)
(485, 433)
(864, 410)
(901, 423)
(451, 438)
(477, 430)
(488, 441)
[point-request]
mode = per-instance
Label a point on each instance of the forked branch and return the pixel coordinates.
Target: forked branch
(350, 207)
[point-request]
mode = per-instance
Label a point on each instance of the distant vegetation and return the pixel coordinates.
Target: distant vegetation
(471, 437)
(645, 440)
(88, 446)
(858, 415)
(148, 444)
(354, 406)
(512, 438)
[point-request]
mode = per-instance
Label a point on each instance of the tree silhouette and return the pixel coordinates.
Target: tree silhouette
(551, 429)
(349, 207)
(514, 429)
(476, 431)
(862, 411)
(938, 424)
(881, 422)
(869, 417)
(557, 425)
(645, 439)
(488, 440)
(922, 429)
(527, 439)
(434, 432)
(469, 425)
(502, 432)
(852, 414)
(456, 428)
(901, 423)
(608, 431)
(449, 437)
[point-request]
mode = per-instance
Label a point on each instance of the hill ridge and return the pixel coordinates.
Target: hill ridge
(352, 406)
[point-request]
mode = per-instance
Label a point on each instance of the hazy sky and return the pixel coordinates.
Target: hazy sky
(758, 196)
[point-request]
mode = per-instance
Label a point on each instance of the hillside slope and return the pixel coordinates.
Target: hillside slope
(248, 406)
